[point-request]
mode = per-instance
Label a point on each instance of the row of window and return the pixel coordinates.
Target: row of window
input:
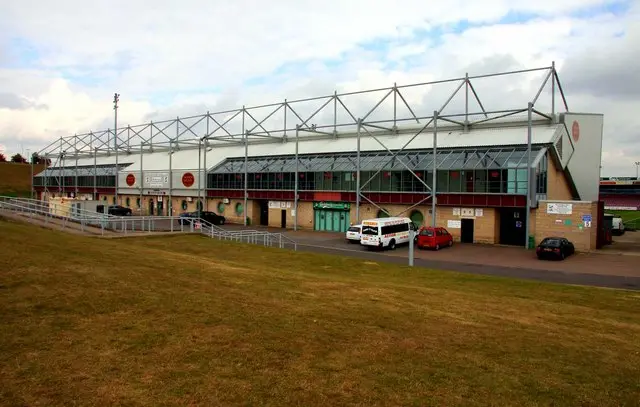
(480, 181)
(509, 181)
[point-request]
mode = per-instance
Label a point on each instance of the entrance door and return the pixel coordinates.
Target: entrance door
(264, 213)
(512, 226)
(466, 233)
(160, 208)
(151, 207)
(283, 219)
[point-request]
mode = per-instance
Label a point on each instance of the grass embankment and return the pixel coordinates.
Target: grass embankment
(189, 320)
(15, 179)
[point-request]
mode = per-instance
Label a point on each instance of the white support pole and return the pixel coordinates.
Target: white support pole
(553, 91)
(141, 176)
(434, 177)
(529, 172)
(295, 183)
(170, 175)
(358, 172)
(199, 209)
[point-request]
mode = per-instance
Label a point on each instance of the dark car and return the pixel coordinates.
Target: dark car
(555, 248)
(211, 217)
(115, 210)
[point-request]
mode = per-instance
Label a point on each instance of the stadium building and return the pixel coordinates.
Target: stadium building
(620, 193)
(490, 175)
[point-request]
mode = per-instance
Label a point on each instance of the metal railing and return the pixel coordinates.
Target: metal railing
(106, 224)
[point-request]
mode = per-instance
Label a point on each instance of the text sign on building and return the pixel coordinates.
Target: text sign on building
(560, 208)
(279, 205)
(332, 205)
(454, 224)
(157, 180)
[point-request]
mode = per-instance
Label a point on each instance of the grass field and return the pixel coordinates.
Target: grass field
(626, 215)
(192, 321)
(15, 179)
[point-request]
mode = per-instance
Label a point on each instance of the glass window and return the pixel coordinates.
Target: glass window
(183, 205)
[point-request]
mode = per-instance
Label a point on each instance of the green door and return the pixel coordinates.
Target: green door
(316, 220)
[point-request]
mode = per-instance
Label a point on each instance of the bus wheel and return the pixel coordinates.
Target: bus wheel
(392, 244)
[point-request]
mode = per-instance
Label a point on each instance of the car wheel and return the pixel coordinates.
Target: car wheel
(437, 247)
(221, 222)
(562, 256)
(392, 245)
(450, 243)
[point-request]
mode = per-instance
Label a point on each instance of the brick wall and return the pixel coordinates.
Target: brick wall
(486, 227)
(570, 226)
(557, 185)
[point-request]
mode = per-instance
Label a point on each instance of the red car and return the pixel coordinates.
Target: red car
(434, 238)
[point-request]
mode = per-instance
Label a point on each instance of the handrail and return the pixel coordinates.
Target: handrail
(128, 224)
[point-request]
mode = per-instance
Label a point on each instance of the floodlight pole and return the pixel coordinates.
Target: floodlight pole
(529, 174)
(116, 99)
(199, 177)
(637, 163)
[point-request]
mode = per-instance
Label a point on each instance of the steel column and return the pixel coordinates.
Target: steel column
(295, 188)
(358, 173)
(206, 175)
(199, 209)
(529, 183)
(434, 178)
(31, 192)
(141, 176)
(246, 163)
(95, 173)
(170, 174)
(466, 102)
(76, 192)
(553, 90)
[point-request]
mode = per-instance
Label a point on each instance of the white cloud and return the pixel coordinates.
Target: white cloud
(185, 59)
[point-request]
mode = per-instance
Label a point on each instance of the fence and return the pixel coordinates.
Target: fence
(105, 224)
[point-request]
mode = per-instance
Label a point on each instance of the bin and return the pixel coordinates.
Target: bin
(532, 242)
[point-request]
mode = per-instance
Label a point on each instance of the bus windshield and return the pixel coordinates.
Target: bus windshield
(370, 230)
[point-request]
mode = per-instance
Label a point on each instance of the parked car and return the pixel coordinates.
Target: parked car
(434, 238)
(115, 210)
(555, 248)
(354, 234)
(211, 217)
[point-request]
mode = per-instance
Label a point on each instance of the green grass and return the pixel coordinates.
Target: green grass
(192, 321)
(626, 215)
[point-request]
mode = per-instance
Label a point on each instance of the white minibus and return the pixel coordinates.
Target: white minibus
(386, 232)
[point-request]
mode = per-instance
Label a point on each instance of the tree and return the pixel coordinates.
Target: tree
(3, 159)
(18, 159)
(36, 159)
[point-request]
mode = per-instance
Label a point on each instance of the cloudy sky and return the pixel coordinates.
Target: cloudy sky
(61, 62)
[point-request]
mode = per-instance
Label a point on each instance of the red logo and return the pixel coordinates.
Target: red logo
(575, 131)
(188, 179)
(131, 179)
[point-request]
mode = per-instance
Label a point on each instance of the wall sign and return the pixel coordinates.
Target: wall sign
(345, 206)
(479, 212)
(188, 179)
(467, 212)
(279, 204)
(454, 224)
(131, 180)
(560, 208)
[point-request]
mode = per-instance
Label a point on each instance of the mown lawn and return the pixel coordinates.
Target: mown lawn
(192, 321)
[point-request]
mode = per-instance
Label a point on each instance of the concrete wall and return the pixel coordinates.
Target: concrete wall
(570, 226)
(584, 166)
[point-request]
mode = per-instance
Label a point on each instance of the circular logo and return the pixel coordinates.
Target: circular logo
(575, 131)
(188, 179)
(131, 179)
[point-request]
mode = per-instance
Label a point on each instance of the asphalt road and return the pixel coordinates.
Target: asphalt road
(598, 280)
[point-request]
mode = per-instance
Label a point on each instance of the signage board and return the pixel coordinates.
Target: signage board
(454, 224)
(560, 208)
(345, 206)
